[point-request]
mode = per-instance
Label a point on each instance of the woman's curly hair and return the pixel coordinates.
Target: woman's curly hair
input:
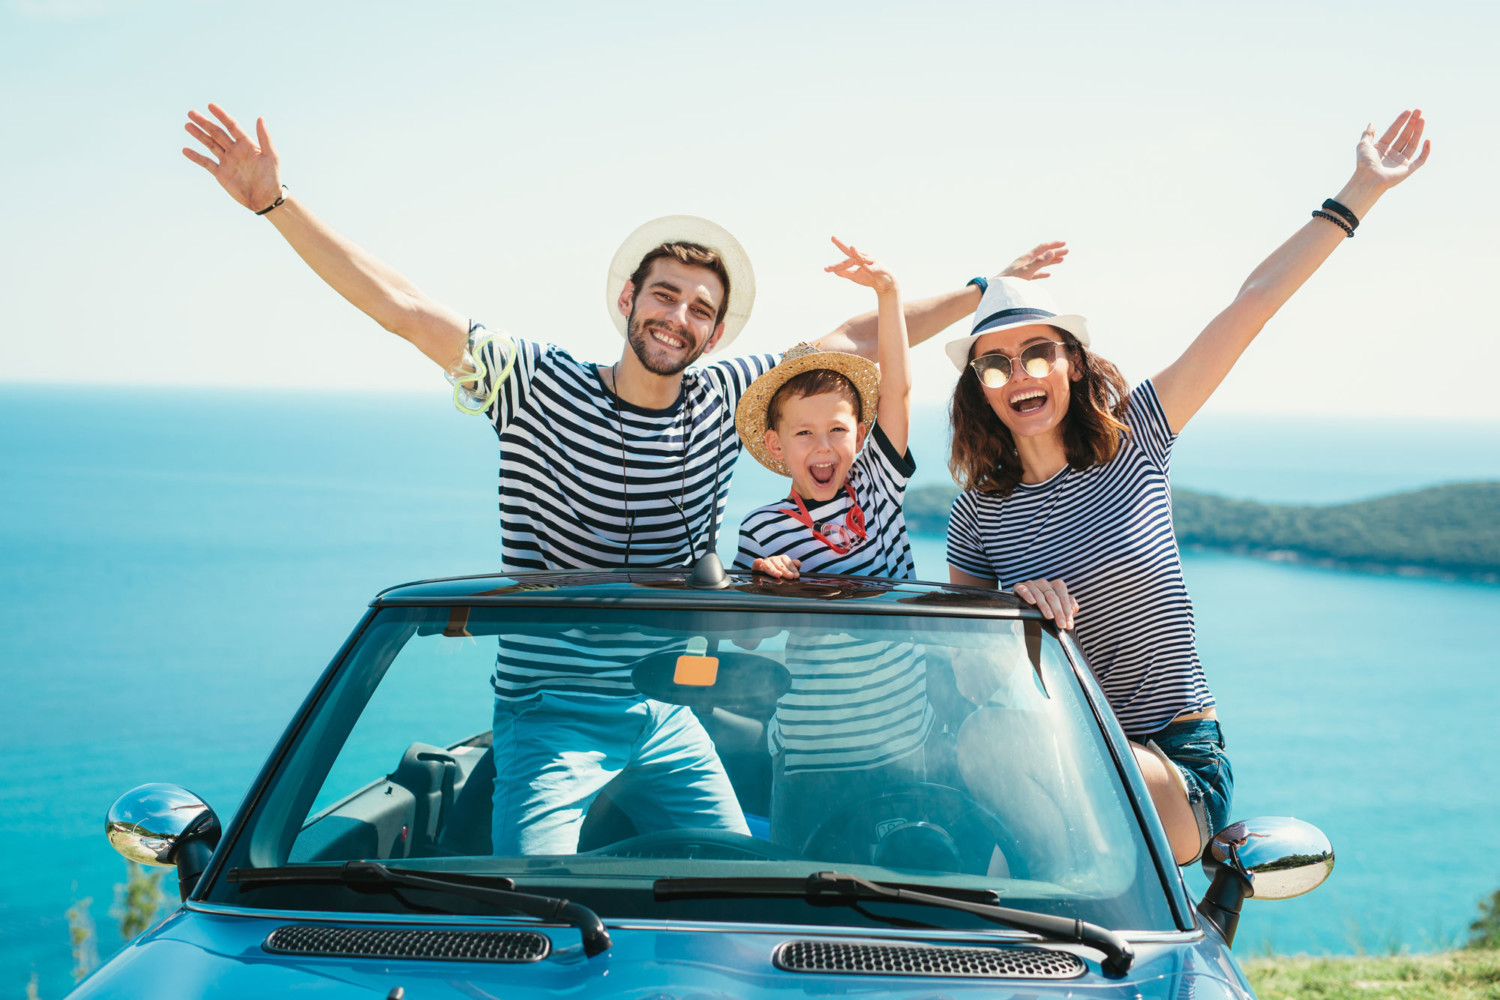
(984, 455)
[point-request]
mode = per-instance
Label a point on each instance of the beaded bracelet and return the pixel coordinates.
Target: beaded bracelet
(1329, 205)
(1348, 229)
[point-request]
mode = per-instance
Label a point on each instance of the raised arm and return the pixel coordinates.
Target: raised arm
(894, 409)
(250, 171)
(1380, 164)
(928, 317)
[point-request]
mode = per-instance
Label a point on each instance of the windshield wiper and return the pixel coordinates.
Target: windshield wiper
(499, 891)
(836, 887)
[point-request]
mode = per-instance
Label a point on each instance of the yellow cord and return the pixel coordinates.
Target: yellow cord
(461, 395)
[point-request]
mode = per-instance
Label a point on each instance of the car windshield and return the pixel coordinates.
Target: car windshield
(591, 751)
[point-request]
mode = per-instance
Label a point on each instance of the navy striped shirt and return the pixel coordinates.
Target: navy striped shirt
(576, 660)
(1107, 532)
(854, 703)
(586, 477)
(878, 478)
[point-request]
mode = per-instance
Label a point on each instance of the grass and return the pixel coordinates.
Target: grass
(1466, 974)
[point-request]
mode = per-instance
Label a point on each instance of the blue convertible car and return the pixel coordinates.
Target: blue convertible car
(630, 785)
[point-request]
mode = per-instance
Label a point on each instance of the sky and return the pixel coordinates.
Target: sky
(497, 153)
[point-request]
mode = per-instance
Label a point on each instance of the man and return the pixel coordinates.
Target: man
(601, 467)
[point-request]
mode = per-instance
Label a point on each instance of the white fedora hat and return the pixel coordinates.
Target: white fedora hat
(1009, 302)
(685, 229)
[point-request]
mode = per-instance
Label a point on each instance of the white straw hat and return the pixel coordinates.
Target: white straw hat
(1012, 302)
(685, 229)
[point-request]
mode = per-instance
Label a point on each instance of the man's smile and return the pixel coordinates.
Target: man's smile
(664, 335)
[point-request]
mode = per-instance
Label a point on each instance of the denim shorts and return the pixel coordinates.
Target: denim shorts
(1197, 748)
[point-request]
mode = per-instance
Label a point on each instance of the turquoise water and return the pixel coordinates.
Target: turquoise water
(179, 566)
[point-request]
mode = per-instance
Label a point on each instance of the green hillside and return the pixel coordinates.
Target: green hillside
(1452, 530)
(1470, 974)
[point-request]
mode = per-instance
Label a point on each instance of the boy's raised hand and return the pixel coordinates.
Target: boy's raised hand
(860, 269)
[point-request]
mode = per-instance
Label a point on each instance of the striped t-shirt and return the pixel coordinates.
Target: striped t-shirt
(587, 478)
(589, 481)
(878, 478)
(1107, 532)
(576, 660)
(854, 703)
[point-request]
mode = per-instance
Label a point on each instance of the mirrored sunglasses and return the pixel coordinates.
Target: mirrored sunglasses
(994, 370)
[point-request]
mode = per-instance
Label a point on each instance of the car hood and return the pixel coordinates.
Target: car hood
(217, 955)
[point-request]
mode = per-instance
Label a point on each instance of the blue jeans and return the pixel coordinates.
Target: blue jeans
(554, 753)
(1197, 748)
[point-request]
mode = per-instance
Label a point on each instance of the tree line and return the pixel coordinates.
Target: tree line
(1452, 529)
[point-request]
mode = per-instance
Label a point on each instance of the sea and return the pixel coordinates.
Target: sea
(178, 565)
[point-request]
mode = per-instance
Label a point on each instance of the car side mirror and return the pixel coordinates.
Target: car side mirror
(164, 825)
(1269, 857)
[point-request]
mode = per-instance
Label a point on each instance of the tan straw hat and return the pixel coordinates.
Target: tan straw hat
(685, 229)
(750, 416)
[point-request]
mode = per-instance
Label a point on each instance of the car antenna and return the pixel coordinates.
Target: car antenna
(708, 570)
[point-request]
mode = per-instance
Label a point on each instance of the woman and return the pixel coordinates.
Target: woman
(1065, 478)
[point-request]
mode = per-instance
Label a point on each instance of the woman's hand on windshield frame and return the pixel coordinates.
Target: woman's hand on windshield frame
(1051, 598)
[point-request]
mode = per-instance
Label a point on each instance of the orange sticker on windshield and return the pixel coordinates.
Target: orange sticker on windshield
(696, 671)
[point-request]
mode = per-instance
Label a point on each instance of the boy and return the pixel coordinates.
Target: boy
(856, 718)
(807, 418)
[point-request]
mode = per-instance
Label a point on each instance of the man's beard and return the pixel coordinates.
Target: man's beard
(641, 343)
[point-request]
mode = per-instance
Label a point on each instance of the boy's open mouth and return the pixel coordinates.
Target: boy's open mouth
(822, 474)
(1025, 402)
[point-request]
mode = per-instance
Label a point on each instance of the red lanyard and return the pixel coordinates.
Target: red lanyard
(854, 520)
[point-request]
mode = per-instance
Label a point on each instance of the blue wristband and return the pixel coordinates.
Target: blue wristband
(983, 283)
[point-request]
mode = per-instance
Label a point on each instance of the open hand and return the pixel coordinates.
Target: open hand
(860, 269)
(1394, 156)
(1051, 598)
(782, 567)
(250, 172)
(1029, 266)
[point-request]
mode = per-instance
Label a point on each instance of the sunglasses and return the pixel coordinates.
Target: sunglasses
(994, 370)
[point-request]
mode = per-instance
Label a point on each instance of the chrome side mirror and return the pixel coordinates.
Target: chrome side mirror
(166, 825)
(1269, 857)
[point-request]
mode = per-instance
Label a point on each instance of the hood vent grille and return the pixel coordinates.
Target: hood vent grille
(924, 960)
(451, 946)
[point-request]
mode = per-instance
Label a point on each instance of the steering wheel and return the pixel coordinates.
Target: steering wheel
(919, 825)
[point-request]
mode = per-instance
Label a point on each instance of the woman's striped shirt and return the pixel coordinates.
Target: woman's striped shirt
(854, 703)
(1107, 532)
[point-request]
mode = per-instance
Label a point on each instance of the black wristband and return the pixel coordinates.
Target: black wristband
(1348, 229)
(1329, 205)
(279, 199)
(982, 283)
